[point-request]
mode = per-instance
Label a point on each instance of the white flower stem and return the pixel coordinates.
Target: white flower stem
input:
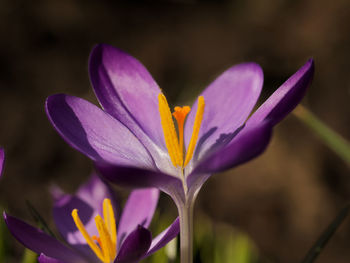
(186, 231)
(185, 205)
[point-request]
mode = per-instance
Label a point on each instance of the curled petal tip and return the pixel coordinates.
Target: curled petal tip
(310, 63)
(286, 97)
(135, 245)
(308, 69)
(311, 60)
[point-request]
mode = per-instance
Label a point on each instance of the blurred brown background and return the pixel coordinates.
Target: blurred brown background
(283, 199)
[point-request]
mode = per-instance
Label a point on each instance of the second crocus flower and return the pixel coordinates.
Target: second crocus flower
(93, 230)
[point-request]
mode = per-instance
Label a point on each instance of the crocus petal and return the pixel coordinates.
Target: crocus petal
(165, 237)
(88, 200)
(228, 102)
(44, 259)
(249, 143)
(140, 178)
(126, 90)
(94, 191)
(62, 213)
(286, 97)
(95, 133)
(2, 159)
(135, 246)
(138, 210)
(39, 242)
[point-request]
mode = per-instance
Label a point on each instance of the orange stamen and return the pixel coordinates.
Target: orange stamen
(175, 144)
(98, 240)
(180, 114)
(106, 249)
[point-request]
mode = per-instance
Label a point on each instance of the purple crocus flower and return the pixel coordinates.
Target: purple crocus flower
(131, 139)
(2, 159)
(129, 244)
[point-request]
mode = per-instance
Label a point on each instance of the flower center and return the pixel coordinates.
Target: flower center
(105, 246)
(174, 143)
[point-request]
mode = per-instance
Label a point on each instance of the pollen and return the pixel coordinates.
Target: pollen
(104, 246)
(174, 143)
(169, 131)
(196, 127)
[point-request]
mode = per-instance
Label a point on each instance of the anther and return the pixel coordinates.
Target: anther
(169, 131)
(108, 215)
(106, 249)
(196, 128)
(175, 145)
(106, 242)
(85, 234)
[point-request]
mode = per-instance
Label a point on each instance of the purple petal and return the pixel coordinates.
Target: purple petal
(135, 246)
(95, 133)
(249, 143)
(228, 102)
(286, 97)
(165, 237)
(56, 192)
(94, 191)
(44, 259)
(140, 178)
(39, 242)
(89, 202)
(138, 210)
(126, 90)
(2, 159)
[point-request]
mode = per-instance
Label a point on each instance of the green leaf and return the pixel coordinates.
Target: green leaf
(242, 251)
(41, 223)
(29, 256)
(317, 248)
(332, 139)
(171, 250)
(159, 256)
(167, 254)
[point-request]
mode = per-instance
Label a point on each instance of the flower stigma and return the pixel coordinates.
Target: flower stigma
(174, 143)
(104, 246)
